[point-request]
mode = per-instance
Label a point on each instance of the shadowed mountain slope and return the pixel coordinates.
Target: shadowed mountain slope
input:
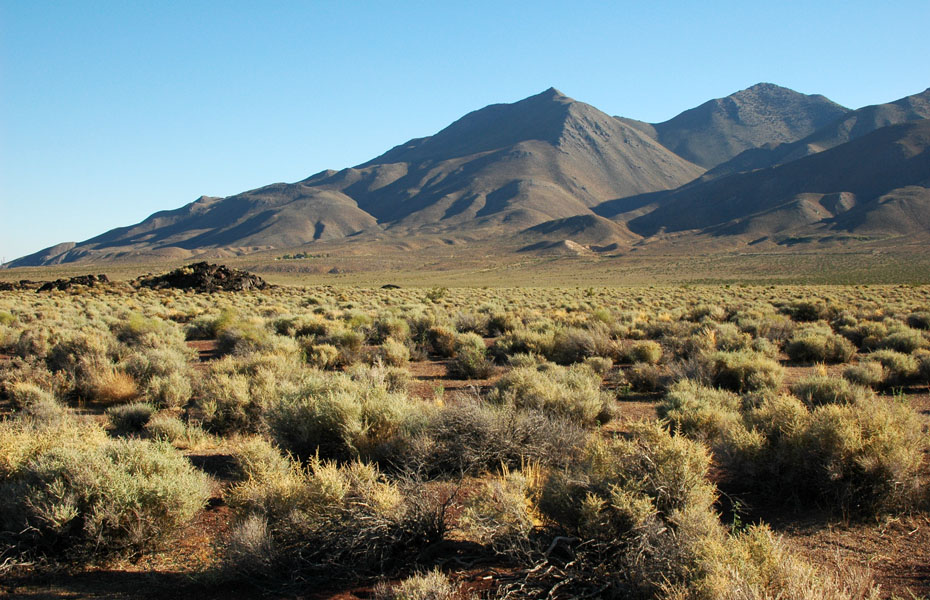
(876, 185)
(764, 114)
(495, 171)
(849, 127)
(552, 174)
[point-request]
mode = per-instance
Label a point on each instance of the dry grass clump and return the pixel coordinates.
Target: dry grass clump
(756, 565)
(862, 457)
(900, 368)
(574, 344)
(648, 351)
(333, 416)
(627, 519)
(470, 360)
(474, 437)
(744, 371)
(432, 585)
(816, 390)
(819, 344)
(69, 489)
(919, 320)
(700, 412)
(130, 418)
(326, 520)
(868, 373)
(572, 392)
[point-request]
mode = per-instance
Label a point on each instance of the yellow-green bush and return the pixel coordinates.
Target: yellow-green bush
(68, 488)
(573, 392)
(819, 344)
(815, 390)
(327, 520)
(744, 371)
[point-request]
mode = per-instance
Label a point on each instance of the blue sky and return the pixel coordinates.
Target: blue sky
(110, 111)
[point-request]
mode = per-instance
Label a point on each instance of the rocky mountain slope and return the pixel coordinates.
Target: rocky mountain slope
(548, 170)
(875, 185)
(764, 114)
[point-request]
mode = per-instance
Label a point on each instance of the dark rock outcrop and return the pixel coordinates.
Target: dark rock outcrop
(204, 277)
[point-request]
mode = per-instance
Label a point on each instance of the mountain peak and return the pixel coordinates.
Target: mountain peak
(764, 113)
(551, 93)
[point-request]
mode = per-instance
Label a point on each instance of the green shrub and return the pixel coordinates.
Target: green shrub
(639, 510)
(326, 521)
(242, 337)
(173, 390)
(815, 390)
(432, 585)
(809, 311)
(866, 335)
(322, 356)
(130, 418)
(646, 378)
(470, 322)
(755, 564)
(647, 351)
(744, 371)
(501, 323)
(903, 340)
(816, 344)
(700, 412)
(389, 327)
(36, 405)
(69, 488)
(441, 341)
(869, 373)
(335, 417)
(900, 368)
(574, 344)
(919, 320)
(139, 331)
(209, 327)
(470, 361)
(573, 392)
(474, 437)
(866, 456)
(524, 341)
(394, 353)
(923, 367)
(599, 364)
(226, 402)
(393, 379)
(499, 516)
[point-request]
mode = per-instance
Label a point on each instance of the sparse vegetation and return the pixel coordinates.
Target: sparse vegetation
(378, 433)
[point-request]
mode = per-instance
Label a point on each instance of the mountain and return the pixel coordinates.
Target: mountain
(875, 185)
(496, 171)
(764, 114)
(848, 127)
(553, 175)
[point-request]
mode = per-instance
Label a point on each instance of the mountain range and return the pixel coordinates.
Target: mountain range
(765, 166)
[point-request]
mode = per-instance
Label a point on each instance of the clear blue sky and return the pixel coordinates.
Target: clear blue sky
(110, 111)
